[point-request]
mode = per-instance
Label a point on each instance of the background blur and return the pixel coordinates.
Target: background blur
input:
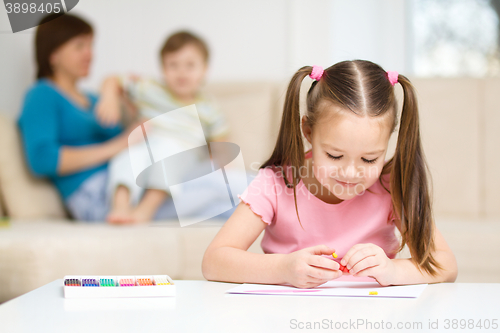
(264, 40)
(455, 41)
(448, 48)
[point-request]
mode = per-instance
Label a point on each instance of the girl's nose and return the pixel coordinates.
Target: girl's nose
(350, 172)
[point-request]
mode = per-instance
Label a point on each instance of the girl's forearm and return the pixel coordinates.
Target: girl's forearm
(228, 264)
(74, 159)
(408, 273)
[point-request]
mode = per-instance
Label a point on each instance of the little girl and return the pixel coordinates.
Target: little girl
(340, 198)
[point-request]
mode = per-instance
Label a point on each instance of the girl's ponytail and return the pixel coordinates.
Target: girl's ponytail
(289, 149)
(410, 186)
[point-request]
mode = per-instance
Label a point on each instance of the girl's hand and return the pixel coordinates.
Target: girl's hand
(306, 268)
(108, 110)
(369, 260)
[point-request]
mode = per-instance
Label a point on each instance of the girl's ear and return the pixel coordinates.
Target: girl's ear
(306, 128)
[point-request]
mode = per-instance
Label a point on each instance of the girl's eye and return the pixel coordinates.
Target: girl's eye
(369, 161)
(334, 157)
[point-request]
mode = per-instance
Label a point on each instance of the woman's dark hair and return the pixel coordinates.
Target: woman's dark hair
(180, 39)
(363, 88)
(53, 31)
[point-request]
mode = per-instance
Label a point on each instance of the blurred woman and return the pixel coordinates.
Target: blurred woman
(63, 140)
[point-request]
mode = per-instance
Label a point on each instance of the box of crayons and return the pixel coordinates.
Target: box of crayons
(118, 286)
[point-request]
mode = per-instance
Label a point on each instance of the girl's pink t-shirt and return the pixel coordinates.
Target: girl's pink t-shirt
(367, 218)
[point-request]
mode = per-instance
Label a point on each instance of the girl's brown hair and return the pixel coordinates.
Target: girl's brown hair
(53, 31)
(363, 88)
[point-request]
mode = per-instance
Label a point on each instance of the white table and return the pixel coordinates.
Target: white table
(202, 306)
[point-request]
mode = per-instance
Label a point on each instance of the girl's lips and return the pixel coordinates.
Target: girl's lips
(346, 184)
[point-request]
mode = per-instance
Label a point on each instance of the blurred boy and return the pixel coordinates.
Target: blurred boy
(184, 59)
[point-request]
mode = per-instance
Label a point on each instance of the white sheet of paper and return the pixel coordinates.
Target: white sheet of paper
(333, 288)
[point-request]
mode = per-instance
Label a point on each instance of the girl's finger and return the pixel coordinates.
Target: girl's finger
(314, 279)
(323, 262)
(368, 272)
(360, 255)
(352, 250)
(322, 274)
(320, 249)
(347, 259)
(315, 283)
(310, 285)
(367, 262)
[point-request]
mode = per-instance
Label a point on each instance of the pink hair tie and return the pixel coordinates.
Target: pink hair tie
(393, 77)
(316, 73)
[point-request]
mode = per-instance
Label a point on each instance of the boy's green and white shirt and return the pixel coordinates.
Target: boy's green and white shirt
(153, 99)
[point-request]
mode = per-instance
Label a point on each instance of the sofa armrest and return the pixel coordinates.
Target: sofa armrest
(24, 196)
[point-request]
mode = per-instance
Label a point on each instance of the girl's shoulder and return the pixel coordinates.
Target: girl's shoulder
(385, 179)
(280, 175)
(267, 180)
(382, 185)
(269, 174)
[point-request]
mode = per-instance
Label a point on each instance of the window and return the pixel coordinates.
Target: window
(455, 37)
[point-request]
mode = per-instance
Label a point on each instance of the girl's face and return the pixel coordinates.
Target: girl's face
(348, 150)
(74, 57)
(184, 71)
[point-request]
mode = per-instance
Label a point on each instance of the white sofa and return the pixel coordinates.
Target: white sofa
(459, 121)
(40, 244)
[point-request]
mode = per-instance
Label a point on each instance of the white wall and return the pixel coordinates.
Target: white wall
(249, 40)
(379, 31)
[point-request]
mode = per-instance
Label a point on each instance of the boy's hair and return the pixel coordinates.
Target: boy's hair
(363, 88)
(53, 31)
(179, 40)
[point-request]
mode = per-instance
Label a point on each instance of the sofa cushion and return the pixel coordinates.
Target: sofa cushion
(24, 196)
(33, 253)
(251, 110)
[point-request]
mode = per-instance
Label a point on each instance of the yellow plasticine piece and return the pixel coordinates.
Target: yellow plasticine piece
(334, 255)
(373, 293)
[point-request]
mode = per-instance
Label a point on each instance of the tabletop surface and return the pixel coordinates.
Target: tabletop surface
(202, 306)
